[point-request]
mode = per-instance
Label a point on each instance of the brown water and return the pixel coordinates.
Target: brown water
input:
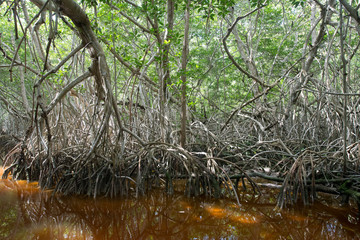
(27, 213)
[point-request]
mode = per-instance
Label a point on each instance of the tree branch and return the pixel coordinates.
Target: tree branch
(229, 54)
(66, 89)
(352, 11)
(55, 69)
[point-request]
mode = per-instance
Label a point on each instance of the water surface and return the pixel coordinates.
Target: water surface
(27, 213)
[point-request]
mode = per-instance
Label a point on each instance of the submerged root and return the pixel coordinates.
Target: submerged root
(308, 175)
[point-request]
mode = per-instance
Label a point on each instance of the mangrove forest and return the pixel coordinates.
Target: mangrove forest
(116, 99)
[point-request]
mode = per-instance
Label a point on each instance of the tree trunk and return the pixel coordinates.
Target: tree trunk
(185, 52)
(99, 65)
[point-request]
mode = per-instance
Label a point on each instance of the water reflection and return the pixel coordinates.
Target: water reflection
(27, 213)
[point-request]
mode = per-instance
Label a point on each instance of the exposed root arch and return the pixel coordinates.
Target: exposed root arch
(154, 165)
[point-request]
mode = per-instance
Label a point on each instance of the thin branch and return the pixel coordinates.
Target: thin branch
(22, 39)
(259, 94)
(129, 66)
(352, 11)
(332, 93)
(17, 63)
(55, 69)
(66, 89)
(243, 105)
(130, 19)
(229, 54)
(131, 3)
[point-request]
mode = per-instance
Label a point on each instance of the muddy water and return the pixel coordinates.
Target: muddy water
(27, 213)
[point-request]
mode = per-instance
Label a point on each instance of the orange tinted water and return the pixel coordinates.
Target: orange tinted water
(27, 213)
